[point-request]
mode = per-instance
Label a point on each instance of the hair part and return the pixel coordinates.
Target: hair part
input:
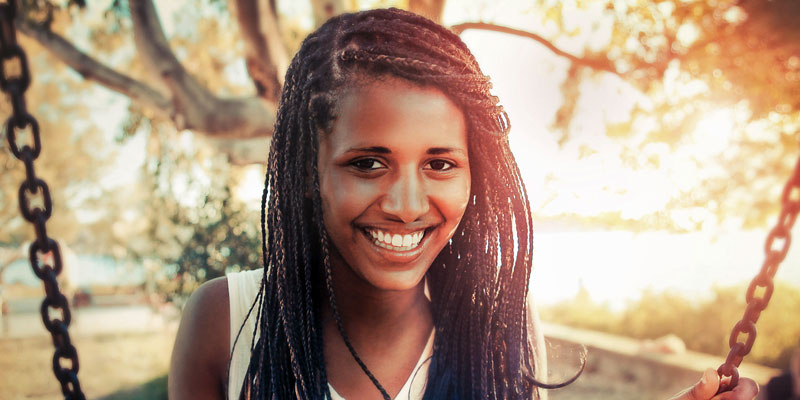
(479, 281)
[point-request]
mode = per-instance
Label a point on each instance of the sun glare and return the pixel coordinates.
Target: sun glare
(713, 132)
(251, 185)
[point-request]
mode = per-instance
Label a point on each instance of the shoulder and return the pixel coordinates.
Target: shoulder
(198, 368)
(207, 310)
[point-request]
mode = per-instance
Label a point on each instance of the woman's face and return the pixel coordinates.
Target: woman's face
(394, 179)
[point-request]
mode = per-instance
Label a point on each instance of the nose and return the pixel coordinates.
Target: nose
(406, 198)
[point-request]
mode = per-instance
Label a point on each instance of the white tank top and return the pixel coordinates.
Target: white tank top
(242, 290)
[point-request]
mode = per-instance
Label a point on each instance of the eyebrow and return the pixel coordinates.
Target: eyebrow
(435, 151)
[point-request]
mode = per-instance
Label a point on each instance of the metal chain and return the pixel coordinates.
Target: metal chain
(14, 80)
(776, 247)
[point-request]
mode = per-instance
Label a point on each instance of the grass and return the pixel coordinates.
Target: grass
(118, 366)
(154, 389)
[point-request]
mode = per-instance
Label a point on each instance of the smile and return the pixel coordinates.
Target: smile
(395, 241)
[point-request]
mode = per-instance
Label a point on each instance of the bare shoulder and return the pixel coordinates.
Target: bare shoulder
(198, 369)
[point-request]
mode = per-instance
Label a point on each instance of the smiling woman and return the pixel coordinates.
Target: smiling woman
(397, 236)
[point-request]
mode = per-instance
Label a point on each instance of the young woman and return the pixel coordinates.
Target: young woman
(398, 236)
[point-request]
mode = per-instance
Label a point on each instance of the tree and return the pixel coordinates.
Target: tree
(651, 46)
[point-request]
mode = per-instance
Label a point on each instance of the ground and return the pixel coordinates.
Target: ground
(128, 359)
(134, 366)
(112, 366)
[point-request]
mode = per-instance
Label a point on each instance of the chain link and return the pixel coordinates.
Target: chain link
(775, 249)
(14, 80)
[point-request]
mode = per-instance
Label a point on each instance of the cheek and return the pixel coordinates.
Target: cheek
(454, 199)
(344, 198)
(331, 203)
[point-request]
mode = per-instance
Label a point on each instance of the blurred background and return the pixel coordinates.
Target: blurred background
(654, 138)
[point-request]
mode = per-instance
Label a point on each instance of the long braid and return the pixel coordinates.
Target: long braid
(479, 281)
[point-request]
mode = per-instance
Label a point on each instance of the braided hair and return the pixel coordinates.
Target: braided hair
(478, 283)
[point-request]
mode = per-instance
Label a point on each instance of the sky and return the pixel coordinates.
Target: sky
(615, 266)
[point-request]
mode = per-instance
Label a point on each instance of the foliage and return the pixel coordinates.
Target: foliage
(224, 239)
(194, 228)
(704, 326)
(710, 41)
(582, 312)
(691, 59)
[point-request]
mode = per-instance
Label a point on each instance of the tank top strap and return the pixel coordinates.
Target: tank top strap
(242, 290)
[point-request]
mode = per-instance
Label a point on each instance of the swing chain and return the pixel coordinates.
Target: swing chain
(14, 80)
(776, 247)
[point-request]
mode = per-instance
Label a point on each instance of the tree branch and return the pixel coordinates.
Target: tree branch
(243, 151)
(600, 64)
(324, 9)
(195, 107)
(92, 69)
(432, 9)
(265, 54)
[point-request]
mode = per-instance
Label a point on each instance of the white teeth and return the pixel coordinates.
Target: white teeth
(396, 242)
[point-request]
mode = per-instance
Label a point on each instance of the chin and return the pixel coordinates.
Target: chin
(395, 281)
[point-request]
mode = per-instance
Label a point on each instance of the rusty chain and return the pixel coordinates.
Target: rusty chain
(14, 81)
(761, 287)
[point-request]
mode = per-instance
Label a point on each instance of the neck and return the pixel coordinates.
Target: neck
(388, 329)
(369, 312)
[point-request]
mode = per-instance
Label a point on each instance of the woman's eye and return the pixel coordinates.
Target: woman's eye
(441, 165)
(367, 164)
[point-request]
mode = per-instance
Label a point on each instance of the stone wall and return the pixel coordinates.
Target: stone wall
(627, 369)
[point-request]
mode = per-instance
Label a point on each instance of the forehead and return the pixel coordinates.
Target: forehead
(396, 113)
